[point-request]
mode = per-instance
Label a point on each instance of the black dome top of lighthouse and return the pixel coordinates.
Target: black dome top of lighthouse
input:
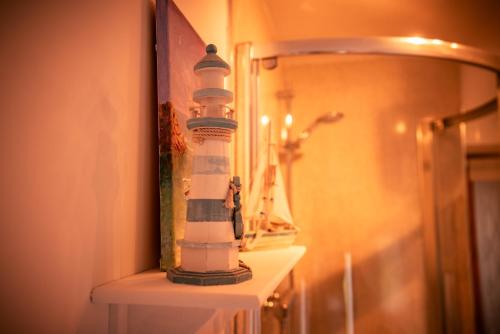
(211, 59)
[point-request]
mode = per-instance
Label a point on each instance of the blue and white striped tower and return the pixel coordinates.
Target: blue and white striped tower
(209, 250)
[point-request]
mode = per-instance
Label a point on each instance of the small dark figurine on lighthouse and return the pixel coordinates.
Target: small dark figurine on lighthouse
(214, 227)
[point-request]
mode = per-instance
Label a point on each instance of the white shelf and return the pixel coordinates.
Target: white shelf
(151, 287)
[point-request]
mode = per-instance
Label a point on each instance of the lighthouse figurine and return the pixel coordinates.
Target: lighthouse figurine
(209, 250)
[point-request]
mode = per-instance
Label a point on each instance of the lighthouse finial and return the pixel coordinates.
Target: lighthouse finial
(211, 48)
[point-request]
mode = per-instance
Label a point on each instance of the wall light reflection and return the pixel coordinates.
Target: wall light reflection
(288, 120)
(264, 120)
(416, 40)
(400, 127)
(425, 41)
(284, 134)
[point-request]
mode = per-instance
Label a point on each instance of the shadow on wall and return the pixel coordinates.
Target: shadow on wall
(148, 154)
(146, 239)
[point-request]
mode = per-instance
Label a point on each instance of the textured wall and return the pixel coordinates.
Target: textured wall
(78, 180)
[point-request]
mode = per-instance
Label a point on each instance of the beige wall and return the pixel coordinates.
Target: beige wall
(211, 20)
(78, 185)
(251, 21)
(477, 87)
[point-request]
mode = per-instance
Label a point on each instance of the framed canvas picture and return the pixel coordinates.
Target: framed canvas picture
(178, 48)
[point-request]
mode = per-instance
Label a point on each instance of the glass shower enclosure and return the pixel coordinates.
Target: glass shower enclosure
(382, 196)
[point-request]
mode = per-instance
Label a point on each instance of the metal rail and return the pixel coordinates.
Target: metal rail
(465, 116)
(397, 46)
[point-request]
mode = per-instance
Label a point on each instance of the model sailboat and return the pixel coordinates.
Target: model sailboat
(270, 223)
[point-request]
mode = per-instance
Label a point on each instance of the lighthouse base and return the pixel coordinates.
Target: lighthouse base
(234, 276)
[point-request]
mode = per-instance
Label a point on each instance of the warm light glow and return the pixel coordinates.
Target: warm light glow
(454, 45)
(288, 120)
(400, 127)
(437, 42)
(420, 135)
(417, 40)
(284, 134)
(264, 120)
